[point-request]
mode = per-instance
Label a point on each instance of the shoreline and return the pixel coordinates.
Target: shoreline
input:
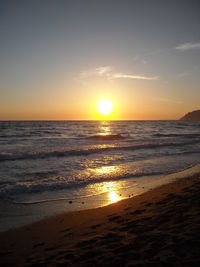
(168, 214)
(17, 215)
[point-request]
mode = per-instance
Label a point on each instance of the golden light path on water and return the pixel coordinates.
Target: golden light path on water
(104, 128)
(113, 197)
(111, 188)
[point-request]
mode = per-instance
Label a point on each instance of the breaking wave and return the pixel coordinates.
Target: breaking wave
(88, 151)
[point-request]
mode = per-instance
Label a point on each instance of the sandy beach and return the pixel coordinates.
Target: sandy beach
(158, 228)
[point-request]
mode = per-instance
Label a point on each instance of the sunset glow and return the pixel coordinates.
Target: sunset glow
(105, 107)
(63, 66)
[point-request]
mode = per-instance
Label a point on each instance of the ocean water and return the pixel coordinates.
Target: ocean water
(47, 167)
(66, 159)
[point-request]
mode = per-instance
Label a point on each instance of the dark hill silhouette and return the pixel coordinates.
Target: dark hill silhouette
(192, 116)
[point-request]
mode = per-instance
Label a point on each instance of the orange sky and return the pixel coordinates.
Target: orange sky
(58, 66)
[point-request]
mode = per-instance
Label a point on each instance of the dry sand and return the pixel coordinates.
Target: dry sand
(158, 228)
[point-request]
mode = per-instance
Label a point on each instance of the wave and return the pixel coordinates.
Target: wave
(14, 189)
(87, 151)
(186, 135)
(106, 137)
(31, 134)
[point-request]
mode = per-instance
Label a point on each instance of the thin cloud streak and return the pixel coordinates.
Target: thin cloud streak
(188, 46)
(107, 72)
(136, 77)
(167, 100)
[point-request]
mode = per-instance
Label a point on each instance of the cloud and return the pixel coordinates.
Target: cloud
(100, 71)
(167, 100)
(136, 77)
(188, 46)
(108, 72)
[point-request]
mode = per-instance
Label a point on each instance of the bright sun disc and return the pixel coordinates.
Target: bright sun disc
(104, 107)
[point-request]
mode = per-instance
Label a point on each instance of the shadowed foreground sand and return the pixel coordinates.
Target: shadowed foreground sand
(159, 228)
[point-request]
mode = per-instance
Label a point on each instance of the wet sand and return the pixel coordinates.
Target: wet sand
(158, 228)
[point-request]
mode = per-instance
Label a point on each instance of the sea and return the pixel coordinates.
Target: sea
(47, 167)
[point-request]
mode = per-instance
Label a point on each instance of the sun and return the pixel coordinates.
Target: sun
(105, 107)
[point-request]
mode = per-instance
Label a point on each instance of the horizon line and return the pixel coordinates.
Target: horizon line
(28, 120)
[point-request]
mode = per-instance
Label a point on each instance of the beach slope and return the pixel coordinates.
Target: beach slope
(158, 228)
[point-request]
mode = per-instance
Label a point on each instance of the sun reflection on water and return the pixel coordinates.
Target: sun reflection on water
(111, 188)
(104, 128)
(106, 170)
(113, 197)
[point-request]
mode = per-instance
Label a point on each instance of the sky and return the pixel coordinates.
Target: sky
(58, 58)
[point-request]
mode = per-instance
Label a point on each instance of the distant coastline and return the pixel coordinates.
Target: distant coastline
(192, 116)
